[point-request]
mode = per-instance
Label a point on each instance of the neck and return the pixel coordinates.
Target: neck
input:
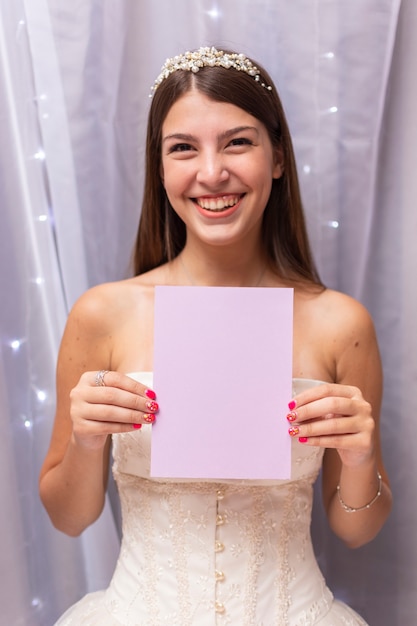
(221, 269)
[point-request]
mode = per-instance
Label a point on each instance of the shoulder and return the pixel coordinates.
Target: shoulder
(96, 322)
(343, 314)
(338, 330)
(102, 307)
(99, 302)
(350, 337)
(335, 310)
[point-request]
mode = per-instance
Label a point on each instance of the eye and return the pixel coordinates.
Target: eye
(240, 141)
(179, 147)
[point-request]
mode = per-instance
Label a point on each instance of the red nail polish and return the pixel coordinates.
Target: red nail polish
(291, 417)
(149, 418)
(152, 406)
(303, 439)
(293, 431)
(150, 394)
(137, 426)
(292, 405)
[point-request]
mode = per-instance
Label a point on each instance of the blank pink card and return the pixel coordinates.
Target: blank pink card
(223, 375)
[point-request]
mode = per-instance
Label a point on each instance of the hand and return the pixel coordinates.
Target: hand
(109, 402)
(334, 416)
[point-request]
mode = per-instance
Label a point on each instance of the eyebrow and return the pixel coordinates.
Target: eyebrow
(224, 135)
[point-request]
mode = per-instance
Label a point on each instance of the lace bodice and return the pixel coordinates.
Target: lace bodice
(213, 553)
(238, 548)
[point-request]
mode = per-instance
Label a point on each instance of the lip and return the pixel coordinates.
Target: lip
(221, 213)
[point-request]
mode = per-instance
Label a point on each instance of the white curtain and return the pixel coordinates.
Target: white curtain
(74, 85)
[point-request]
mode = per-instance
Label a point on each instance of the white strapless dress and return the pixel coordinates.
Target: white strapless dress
(213, 553)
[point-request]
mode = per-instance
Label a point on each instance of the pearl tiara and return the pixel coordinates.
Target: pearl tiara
(208, 57)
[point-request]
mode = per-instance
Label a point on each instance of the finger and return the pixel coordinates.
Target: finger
(111, 405)
(118, 389)
(333, 432)
(328, 407)
(105, 378)
(325, 390)
(105, 400)
(324, 428)
(94, 428)
(108, 419)
(351, 448)
(123, 414)
(323, 410)
(337, 442)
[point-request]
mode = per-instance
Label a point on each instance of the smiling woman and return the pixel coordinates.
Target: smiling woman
(251, 91)
(221, 208)
(218, 175)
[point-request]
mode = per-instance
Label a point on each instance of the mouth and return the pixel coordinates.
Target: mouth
(217, 204)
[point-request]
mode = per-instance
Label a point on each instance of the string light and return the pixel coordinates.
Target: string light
(39, 155)
(214, 13)
(41, 395)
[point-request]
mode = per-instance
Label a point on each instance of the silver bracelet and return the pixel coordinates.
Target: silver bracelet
(351, 509)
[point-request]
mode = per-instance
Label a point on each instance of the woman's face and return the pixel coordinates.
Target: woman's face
(217, 168)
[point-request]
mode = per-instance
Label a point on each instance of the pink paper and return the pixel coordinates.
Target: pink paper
(223, 375)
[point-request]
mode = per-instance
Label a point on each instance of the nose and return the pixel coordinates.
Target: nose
(212, 169)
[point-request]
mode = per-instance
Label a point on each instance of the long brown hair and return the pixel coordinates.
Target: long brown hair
(162, 234)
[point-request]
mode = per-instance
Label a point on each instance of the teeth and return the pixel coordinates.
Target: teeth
(217, 204)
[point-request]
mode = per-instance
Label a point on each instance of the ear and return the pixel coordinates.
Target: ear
(278, 168)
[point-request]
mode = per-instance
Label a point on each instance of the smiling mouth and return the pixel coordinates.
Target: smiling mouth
(218, 204)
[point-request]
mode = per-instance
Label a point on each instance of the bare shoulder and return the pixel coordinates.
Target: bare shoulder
(349, 322)
(350, 336)
(334, 333)
(333, 313)
(102, 307)
(93, 322)
(343, 312)
(111, 325)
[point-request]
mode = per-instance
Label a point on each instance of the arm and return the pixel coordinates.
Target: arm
(344, 418)
(73, 477)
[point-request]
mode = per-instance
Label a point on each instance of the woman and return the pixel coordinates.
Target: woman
(221, 207)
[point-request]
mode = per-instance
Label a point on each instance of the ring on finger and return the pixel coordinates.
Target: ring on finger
(100, 378)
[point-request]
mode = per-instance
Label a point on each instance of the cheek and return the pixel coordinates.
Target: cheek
(172, 188)
(175, 189)
(167, 179)
(174, 178)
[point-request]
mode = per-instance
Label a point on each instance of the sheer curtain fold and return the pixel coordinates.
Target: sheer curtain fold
(52, 118)
(74, 85)
(32, 314)
(42, 570)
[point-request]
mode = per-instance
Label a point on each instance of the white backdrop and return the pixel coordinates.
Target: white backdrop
(74, 85)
